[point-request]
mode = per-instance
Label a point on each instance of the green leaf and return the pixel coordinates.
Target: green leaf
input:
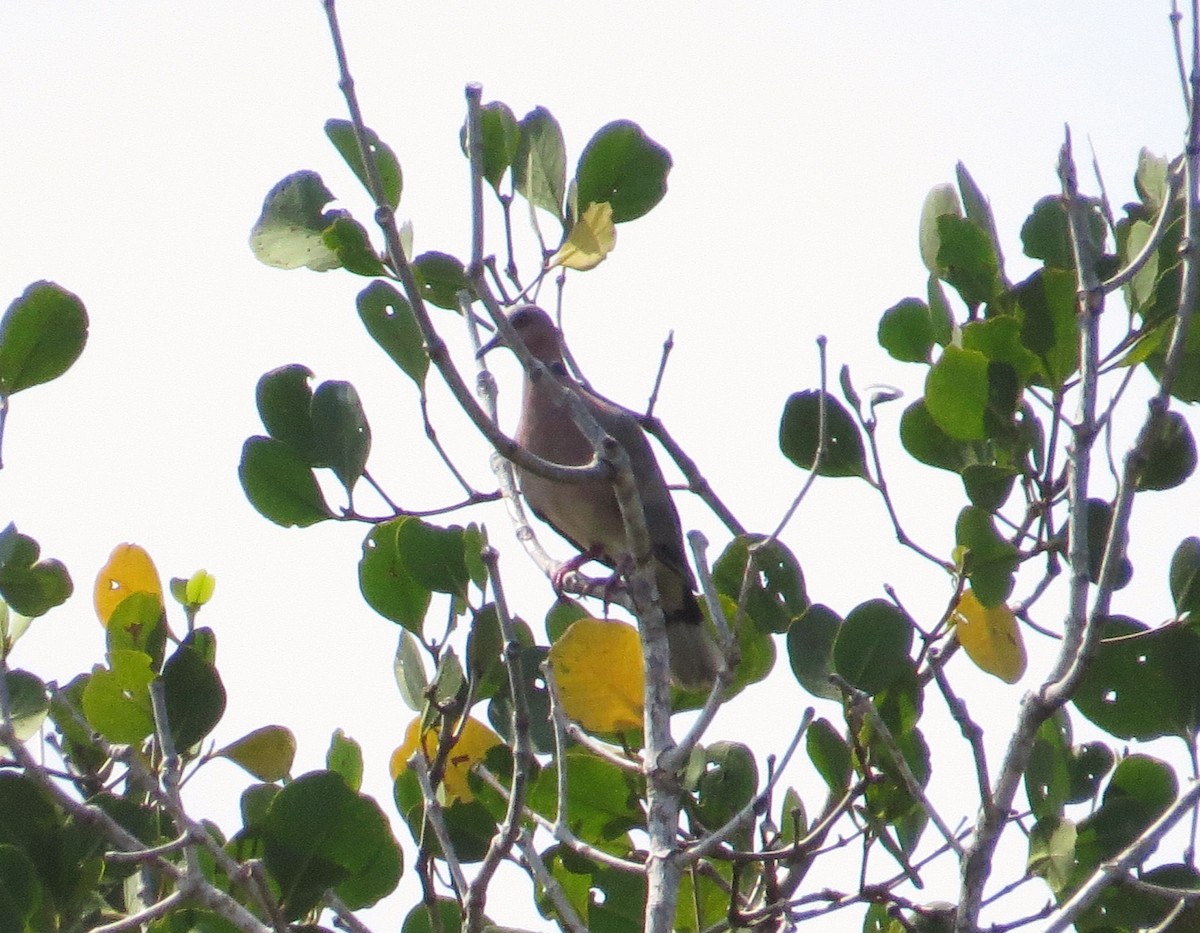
(30, 586)
(978, 210)
(409, 670)
(988, 560)
(872, 645)
(440, 277)
(602, 799)
(967, 260)
(1052, 851)
(810, 643)
(1168, 453)
(20, 890)
(341, 134)
(1141, 683)
(41, 335)
(906, 331)
(390, 321)
(449, 919)
(1045, 234)
(776, 595)
(284, 400)
(929, 444)
(1140, 789)
(139, 624)
(1099, 520)
(729, 782)
(799, 433)
(386, 583)
(1047, 308)
(1186, 386)
(267, 753)
(830, 755)
(942, 200)
(999, 339)
(289, 234)
(28, 703)
(501, 137)
(195, 696)
(280, 485)
(624, 167)
(116, 700)
(347, 239)
(540, 165)
(956, 393)
(940, 315)
(1047, 775)
(319, 834)
(988, 487)
(345, 758)
(341, 434)
(435, 557)
(1185, 577)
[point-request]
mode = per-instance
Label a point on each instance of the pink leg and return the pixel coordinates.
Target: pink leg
(570, 566)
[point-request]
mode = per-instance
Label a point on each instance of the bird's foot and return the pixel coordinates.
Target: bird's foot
(559, 575)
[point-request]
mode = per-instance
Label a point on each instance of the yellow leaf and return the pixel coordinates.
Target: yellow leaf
(991, 637)
(267, 753)
(474, 743)
(129, 570)
(597, 665)
(590, 240)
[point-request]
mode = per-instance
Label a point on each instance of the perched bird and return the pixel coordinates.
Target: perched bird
(588, 515)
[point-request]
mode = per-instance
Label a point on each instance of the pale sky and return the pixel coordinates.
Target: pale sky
(141, 137)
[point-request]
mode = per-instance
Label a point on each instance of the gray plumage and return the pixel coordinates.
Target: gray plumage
(588, 515)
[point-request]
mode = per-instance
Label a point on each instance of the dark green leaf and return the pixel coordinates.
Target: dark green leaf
(729, 782)
(348, 240)
(284, 400)
(1142, 684)
(967, 260)
(988, 560)
(872, 645)
(906, 331)
(30, 586)
(434, 557)
(540, 165)
(1141, 788)
(20, 889)
(1186, 386)
(195, 696)
(1185, 578)
(1089, 764)
(341, 434)
(280, 485)
(1045, 233)
(320, 834)
(1168, 453)
(929, 444)
(1047, 306)
(501, 137)
(28, 703)
(390, 321)
(999, 339)
(1099, 520)
(289, 232)
(440, 277)
(500, 710)
(1047, 775)
(624, 167)
(386, 583)
(41, 334)
(988, 487)
(810, 650)
(341, 134)
(830, 755)
(799, 433)
(345, 758)
(956, 393)
(449, 918)
(776, 593)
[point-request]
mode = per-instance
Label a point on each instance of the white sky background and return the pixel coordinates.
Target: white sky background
(140, 138)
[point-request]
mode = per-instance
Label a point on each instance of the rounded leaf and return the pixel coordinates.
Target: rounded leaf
(597, 665)
(990, 637)
(906, 331)
(28, 703)
(624, 167)
(540, 165)
(129, 570)
(41, 334)
(810, 650)
(956, 393)
(289, 232)
(1168, 452)
(280, 485)
(872, 645)
(195, 696)
(116, 700)
(284, 400)
(390, 321)
(1185, 577)
(341, 134)
(591, 239)
(776, 595)
(341, 435)
(385, 582)
(266, 753)
(799, 435)
(440, 277)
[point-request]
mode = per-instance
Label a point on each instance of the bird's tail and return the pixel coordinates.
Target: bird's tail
(695, 658)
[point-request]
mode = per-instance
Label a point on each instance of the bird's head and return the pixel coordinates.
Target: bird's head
(537, 332)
